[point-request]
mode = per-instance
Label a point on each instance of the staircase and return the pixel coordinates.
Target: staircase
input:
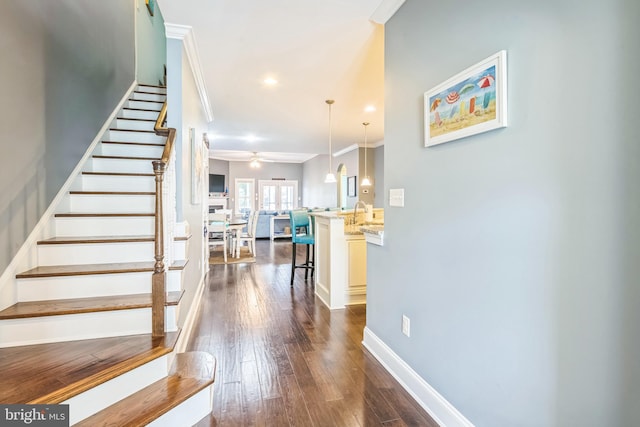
(80, 332)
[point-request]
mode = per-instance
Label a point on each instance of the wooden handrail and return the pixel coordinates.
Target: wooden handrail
(158, 280)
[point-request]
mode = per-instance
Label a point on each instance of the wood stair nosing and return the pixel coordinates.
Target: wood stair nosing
(97, 215)
(145, 100)
(191, 373)
(135, 120)
(90, 269)
(147, 85)
(75, 366)
(141, 109)
(112, 193)
(102, 156)
(132, 130)
(30, 309)
(116, 173)
(149, 93)
(149, 144)
(63, 240)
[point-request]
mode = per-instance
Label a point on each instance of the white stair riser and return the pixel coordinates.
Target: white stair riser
(71, 327)
(111, 203)
(106, 394)
(121, 165)
(101, 253)
(147, 96)
(160, 90)
(189, 412)
(104, 226)
(132, 150)
(95, 253)
(139, 114)
(144, 105)
(118, 183)
(94, 285)
(134, 124)
(125, 136)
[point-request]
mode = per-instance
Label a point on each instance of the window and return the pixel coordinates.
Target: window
(245, 195)
(278, 195)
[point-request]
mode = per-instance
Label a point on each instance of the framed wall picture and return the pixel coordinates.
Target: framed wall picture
(351, 186)
(468, 103)
(198, 157)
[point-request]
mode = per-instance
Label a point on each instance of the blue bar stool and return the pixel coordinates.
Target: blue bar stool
(300, 220)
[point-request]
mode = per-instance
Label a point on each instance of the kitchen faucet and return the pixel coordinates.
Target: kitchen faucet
(355, 209)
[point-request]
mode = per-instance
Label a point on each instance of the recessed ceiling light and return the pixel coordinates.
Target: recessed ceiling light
(251, 138)
(369, 109)
(270, 81)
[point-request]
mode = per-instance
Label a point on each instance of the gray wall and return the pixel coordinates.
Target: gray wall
(378, 176)
(151, 45)
(185, 112)
(315, 193)
(516, 255)
(266, 171)
(65, 66)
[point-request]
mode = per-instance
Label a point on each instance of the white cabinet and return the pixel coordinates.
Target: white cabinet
(340, 262)
(278, 225)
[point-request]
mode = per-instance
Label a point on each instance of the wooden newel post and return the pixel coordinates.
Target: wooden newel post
(158, 287)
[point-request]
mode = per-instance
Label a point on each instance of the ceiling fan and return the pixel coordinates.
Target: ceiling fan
(255, 160)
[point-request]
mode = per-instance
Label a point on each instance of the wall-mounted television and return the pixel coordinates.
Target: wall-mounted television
(216, 183)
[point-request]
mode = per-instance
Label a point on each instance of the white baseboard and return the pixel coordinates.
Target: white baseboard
(443, 412)
(190, 320)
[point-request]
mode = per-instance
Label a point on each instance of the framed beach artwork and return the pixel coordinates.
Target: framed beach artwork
(198, 159)
(471, 102)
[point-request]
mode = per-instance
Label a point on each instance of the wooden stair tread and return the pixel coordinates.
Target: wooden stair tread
(149, 93)
(192, 373)
(28, 309)
(61, 240)
(87, 269)
(52, 373)
(148, 85)
(114, 193)
(100, 156)
(141, 109)
(135, 120)
(132, 130)
(86, 215)
(117, 174)
(152, 144)
(145, 100)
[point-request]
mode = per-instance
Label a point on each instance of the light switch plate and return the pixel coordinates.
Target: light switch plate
(396, 197)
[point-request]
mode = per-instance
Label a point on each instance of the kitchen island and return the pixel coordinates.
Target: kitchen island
(341, 258)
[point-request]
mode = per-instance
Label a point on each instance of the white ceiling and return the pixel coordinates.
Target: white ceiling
(317, 50)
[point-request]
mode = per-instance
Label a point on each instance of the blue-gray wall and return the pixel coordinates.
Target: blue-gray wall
(516, 254)
(378, 176)
(151, 44)
(65, 65)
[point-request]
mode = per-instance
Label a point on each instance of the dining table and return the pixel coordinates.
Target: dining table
(235, 226)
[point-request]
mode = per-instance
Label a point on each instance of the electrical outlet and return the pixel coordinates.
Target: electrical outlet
(406, 325)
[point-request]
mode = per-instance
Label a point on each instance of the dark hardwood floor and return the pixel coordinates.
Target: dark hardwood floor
(284, 359)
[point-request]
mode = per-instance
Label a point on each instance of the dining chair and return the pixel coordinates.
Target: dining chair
(218, 232)
(301, 233)
(249, 236)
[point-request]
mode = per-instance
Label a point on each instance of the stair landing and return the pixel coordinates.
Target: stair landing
(53, 373)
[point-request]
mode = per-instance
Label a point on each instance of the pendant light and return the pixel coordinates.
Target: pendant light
(366, 182)
(330, 178)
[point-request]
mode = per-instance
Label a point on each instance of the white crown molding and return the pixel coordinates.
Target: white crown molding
(345, 150)
(385, 10)
(443, 412)
(186, 34)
